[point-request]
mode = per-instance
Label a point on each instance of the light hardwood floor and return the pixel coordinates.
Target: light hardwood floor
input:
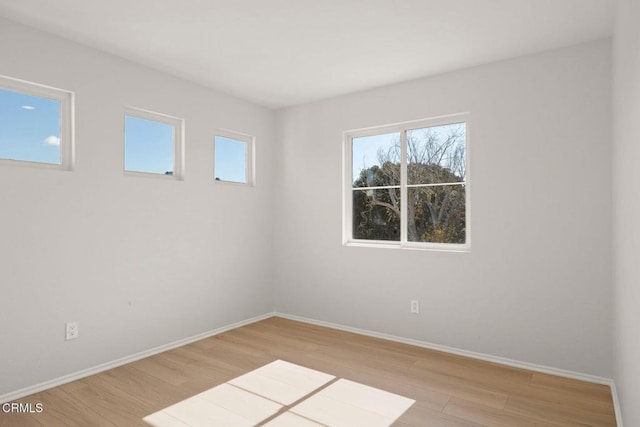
(449, 390)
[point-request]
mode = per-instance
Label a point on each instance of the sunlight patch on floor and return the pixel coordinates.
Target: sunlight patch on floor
(285, 394)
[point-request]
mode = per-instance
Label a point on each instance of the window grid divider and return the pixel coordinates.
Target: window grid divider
(403, 243)
(404, 214)
(380, 187)
(438, 184)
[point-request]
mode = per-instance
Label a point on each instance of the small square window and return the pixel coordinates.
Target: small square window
(153, 143)
(233, 158)
(35, 124)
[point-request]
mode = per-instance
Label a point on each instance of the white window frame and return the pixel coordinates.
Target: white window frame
(249, 160)
(178, 142)
(347, 187)
(66, 99)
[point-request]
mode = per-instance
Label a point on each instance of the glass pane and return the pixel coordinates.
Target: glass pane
(230, 160)
(148, 146)
(436, 154)
(376, 214)
(376, 160)
(436, 214)
(29, 128)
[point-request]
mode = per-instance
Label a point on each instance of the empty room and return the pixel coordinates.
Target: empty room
(319, 213)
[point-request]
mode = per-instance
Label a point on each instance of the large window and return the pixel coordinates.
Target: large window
(35, 125)
(233, 157)
(153, 144)
(407, 185)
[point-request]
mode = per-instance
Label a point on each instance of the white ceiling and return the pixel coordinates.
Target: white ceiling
(284, 52)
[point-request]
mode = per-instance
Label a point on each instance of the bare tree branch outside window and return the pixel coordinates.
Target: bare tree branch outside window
(436, 176)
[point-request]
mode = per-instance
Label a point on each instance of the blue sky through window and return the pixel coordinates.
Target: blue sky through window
(29, 127)
(366, 148)
(149, 146)
(230, 159)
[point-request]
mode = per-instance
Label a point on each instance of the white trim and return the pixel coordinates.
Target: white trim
(404, 205)
(467, 181)
(34, 164)
(7, 397)
(417, 246)
(380, 187)
(348, 189)
(18, 394)
(151, 175)
(616, 404)
(67, 121)
(452, 350)
(178, 142)
(439, 184)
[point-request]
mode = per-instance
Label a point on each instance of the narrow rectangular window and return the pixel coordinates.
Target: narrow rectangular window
(153, 143)
(233, 154)
(408, 185)
(36, 124)
(436, 179)
(376, 187)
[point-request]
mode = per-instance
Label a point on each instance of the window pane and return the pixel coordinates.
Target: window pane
(148, 146)
(436, 154)
(376, 214)
(376, 160)
(230, 160)
(436, 214)
(29, 128)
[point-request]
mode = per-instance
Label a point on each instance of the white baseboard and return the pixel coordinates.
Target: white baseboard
(474, 355)
(616, 404)
(8, 397)
(457, 351)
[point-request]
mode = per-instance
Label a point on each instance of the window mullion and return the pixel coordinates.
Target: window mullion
(403, 188)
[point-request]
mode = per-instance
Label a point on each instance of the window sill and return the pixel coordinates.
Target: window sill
(233, 183)
(32, 164)
(466, 248)
(153, 175)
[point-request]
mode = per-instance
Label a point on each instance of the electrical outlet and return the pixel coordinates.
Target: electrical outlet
(415, 306)
(72, 330)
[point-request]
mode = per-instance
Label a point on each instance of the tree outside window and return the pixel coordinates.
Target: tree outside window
(410, 186)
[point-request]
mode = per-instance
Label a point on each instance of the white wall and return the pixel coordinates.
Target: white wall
(626, 189)
(536, 285)
(138, 262)
(142, 262)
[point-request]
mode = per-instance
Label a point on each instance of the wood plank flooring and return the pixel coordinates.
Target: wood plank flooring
(449, 390)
